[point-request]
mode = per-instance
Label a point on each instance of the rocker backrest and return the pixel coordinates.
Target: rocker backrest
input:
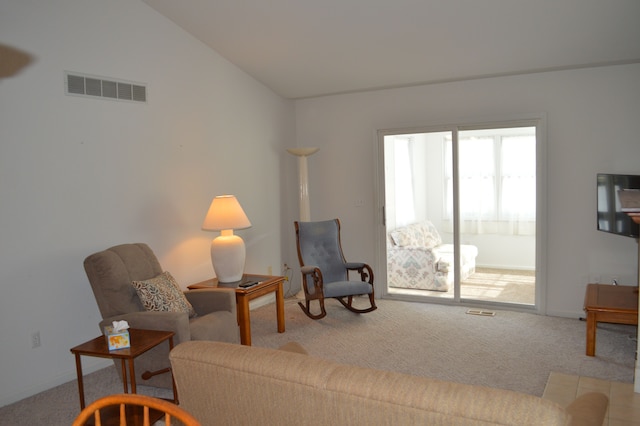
(319, 245)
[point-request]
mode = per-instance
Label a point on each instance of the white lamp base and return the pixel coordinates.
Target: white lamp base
(227, 256)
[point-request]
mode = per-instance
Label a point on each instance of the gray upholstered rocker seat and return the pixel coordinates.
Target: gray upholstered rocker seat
(325, 272)
(111, 273)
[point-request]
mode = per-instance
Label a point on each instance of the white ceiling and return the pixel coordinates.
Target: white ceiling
(306, 48)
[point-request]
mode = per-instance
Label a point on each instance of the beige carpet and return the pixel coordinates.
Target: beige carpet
(493, 285)
(500, 285)
(511, 350)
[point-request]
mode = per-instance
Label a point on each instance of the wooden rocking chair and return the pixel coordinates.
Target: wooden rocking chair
(325, 273)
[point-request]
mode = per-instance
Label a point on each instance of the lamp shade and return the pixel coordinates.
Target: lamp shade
(225, 213)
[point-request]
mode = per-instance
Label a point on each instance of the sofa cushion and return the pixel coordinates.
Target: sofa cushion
(162, 293)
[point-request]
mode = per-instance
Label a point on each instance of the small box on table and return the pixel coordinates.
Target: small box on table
(116, 339)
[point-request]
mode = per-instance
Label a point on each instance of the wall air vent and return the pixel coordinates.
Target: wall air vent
(101, 87)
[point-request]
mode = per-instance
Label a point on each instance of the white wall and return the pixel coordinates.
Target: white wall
(78, 175)
(592, 116)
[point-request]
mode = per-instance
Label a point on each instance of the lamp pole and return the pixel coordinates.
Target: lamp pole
(303, 178)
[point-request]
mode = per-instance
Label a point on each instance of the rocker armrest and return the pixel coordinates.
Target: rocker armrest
(207, 300)
(178, 322)
(365, 271)
(308, 269)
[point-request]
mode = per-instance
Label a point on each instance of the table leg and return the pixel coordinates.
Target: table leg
(123, 367)
(280, 307)
(132, 376)
(591, 333)
(244, 320)
(173, 381)
(80, 380)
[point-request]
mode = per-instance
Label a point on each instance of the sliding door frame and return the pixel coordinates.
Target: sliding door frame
(533, 120)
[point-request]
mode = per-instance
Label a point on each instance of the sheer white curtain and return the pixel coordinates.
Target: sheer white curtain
(518, 184)
(497, 181)
(403, 182)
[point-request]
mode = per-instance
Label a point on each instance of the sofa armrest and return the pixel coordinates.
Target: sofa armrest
(442, 265)
(588, 409)
(208, 300)
(178, 322)
(415, 268)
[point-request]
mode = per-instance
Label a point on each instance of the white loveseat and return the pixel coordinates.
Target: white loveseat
(417, 258)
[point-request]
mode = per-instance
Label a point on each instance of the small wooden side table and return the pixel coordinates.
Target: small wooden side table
(616, 304)
(266, 284)
(141, 342)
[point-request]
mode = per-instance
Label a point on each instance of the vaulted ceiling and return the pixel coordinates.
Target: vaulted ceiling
(307, 48)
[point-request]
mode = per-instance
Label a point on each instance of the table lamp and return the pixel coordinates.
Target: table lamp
(227, 250)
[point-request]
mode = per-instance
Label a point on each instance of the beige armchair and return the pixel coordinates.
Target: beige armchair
(111, 273)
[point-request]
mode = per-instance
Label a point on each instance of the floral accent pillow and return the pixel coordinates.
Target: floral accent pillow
(406, 236)
(423, 234)
(162, 293)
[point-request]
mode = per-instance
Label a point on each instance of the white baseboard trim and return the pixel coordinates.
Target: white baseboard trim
(565, 314)
(263, 300)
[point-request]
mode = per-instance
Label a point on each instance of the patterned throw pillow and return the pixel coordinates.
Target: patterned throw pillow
(431, 235)
(422, 234)
(163, 293)
(406, 236)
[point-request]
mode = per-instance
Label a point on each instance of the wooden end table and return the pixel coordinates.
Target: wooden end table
(617, 304)
(266, 284)
(141, 342)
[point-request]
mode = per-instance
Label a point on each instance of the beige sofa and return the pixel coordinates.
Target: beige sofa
(226, 384)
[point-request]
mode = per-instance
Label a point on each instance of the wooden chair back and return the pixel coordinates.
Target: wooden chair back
(133, 409)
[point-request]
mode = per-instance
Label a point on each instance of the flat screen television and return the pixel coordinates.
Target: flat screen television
(611, 218)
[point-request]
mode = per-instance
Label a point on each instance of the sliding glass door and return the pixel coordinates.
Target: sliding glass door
(460, 213)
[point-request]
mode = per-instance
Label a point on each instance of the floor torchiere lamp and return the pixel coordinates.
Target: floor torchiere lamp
(303, 178)
(228, 252)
